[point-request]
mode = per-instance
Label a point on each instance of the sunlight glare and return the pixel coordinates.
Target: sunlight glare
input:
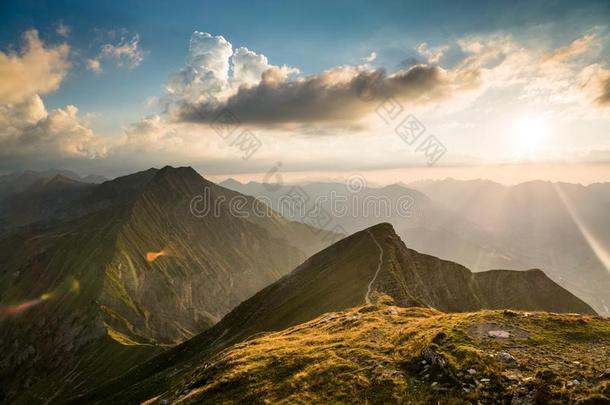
(531, 133)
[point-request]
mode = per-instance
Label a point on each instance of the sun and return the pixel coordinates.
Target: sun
(530, 134)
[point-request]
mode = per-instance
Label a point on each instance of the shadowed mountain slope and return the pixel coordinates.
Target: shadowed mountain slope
(135, 272)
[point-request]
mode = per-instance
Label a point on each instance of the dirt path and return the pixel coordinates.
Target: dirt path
(367, 298)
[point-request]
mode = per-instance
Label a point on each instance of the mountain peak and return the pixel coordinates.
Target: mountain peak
(174, 175)
(61, 179)
(230, 182)
(180, 170)
(382, 227)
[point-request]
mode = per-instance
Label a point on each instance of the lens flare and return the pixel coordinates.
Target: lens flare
(152, 256)
(74, 285)
(19, 308)
(600, 251)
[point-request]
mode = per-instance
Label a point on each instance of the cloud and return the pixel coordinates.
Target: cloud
(338, 94)
(216, 78)
(126, 53)
(151, 133)
(568, 78)
(603, 99)
(248, 66)
(371, 57)
(94, 65)
(36, 69)
(595, 83)
(213, 71)
(348, 93)
(206, 69)
(433, 55)
(576, 48)
(28, 130)
(62, 30)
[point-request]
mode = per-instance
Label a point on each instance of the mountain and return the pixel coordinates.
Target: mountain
(134, 270)
(347, 274)
(560, 227)
(383, 353)
(17, 182)
(45, 199)
(429, 226)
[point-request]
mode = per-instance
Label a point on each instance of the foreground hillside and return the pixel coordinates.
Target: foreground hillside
(387, 354)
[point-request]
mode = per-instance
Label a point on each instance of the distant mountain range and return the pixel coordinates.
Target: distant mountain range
(560, 228)
(19, 181)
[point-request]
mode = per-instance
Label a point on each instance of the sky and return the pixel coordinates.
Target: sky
(392, 90)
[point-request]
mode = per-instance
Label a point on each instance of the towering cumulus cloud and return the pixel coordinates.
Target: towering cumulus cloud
(206, 71)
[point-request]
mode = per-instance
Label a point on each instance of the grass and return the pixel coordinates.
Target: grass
(387, 354)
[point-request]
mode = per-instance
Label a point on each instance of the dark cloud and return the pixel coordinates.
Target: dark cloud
(339, 94)
(408, 62)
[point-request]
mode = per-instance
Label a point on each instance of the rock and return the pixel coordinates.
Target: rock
(471, 371)
(499, 334)
(438, 365)
(434, 383)
(392, 311)
(574, 382)
(506, 358)
(523, 396)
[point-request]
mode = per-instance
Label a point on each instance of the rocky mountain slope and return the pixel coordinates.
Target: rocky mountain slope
(348, 274)
(130, 272)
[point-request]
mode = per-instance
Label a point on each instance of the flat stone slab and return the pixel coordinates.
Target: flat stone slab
(495, 331)
(499, 334)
